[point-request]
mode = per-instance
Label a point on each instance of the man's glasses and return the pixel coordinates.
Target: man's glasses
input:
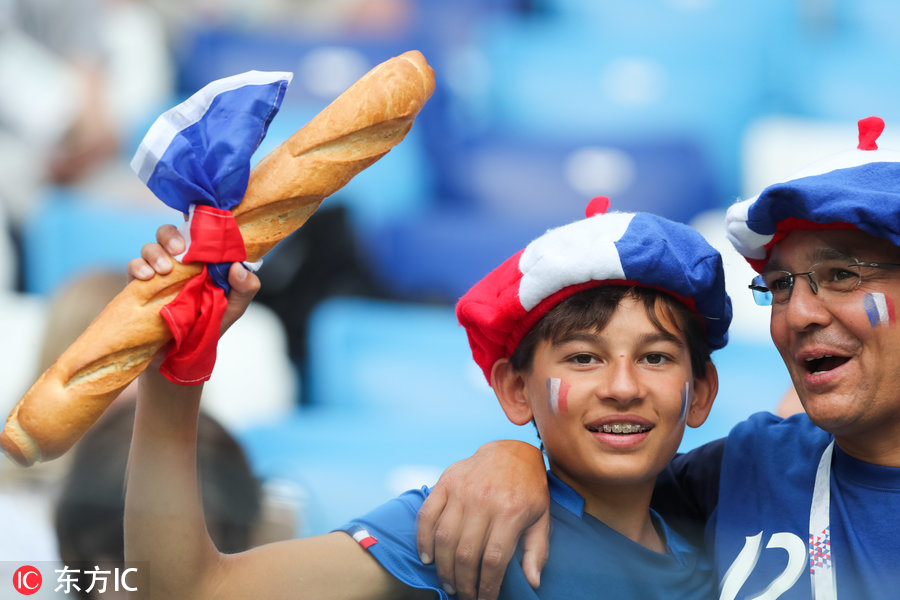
(832, 276)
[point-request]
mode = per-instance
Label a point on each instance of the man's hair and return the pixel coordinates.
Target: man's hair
(592, 309)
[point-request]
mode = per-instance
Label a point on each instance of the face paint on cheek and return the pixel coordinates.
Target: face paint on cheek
(557, 392)
(879, 308)
(687, 394)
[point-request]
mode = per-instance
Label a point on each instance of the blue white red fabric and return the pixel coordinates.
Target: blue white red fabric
(587, 558)
(196, 159)
(859, 188)
(602, 249)
(362, 536)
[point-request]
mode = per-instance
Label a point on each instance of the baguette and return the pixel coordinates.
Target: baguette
(284, 189)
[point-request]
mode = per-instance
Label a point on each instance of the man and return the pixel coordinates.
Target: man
(796, 508)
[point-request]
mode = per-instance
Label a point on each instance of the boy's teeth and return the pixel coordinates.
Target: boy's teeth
(622, 428)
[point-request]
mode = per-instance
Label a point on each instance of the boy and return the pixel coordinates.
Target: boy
(599, 332)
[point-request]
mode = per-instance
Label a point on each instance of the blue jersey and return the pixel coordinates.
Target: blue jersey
(587, 558)
(760, 527)
(754, 490)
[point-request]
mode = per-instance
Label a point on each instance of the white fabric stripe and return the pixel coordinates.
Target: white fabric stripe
(189, 112)
(747, 242)
(360, 534)
(559, 258)
(822, 578)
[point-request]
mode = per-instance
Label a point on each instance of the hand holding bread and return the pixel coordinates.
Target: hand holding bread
(284, 189)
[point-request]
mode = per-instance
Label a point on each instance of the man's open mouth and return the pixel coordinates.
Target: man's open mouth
(822, 364)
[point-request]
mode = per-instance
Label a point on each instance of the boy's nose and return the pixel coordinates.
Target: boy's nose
(623, 384)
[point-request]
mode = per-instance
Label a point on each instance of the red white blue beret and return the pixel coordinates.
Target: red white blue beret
(603, 249)
(855, 189)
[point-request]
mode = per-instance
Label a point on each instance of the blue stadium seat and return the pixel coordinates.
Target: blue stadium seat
(504, 190)
(394, 390)
(70, 234)
(323, 67)
(559, 78)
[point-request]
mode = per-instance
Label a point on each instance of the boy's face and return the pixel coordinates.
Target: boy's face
(611, 405)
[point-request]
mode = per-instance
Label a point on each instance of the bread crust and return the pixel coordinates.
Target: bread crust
(284, 189)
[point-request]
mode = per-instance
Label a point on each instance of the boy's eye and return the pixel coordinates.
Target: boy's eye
(656, 359)
(583, 359)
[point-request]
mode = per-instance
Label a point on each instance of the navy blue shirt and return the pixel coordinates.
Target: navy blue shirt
(587, 558)
(760, 526)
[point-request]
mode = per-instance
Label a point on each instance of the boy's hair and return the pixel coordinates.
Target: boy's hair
(592, 309)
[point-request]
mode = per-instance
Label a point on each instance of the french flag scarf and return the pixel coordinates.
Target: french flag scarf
(196, 159)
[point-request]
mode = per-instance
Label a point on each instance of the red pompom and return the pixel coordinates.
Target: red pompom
(597, 206)
(869, 130)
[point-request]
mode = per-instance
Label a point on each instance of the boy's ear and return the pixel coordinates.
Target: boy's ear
(509, 386)
(705, 390)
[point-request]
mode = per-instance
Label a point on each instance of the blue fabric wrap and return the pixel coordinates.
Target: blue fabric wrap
(672, 256)
(207, 162)
(867, 197)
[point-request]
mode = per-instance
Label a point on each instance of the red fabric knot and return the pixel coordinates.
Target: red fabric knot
(195, 315)
(215, 237)
(869, 130)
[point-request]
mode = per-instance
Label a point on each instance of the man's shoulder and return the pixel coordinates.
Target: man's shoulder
(765, 426)
(766, 439)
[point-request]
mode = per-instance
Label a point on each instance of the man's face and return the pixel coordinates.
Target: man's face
(842, 349)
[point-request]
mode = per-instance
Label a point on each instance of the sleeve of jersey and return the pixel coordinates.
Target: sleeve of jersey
(388, 533)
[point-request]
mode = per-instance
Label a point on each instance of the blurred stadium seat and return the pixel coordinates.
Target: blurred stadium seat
(71, 233)
(550, 180)
(437, 257)
(396, 399)
(506, 189)
(559, 78)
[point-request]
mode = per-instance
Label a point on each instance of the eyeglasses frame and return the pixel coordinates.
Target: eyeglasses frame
(762, 292)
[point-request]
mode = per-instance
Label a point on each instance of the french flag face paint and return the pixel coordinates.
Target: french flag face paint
(687, 394)
(879, 308)
(557, 392)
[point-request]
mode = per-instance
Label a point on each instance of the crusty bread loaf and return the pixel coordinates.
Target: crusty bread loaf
(284, 189)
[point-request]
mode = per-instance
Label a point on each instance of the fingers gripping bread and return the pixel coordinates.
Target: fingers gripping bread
(284, 189)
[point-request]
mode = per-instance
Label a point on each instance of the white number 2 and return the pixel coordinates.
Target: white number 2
(746, 560)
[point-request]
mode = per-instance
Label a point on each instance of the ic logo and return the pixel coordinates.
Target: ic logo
(27, 580)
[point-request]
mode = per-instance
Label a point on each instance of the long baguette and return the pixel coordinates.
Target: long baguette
(284, 189)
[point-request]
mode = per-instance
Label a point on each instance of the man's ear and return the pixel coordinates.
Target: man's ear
(509, 386)
(705, 390)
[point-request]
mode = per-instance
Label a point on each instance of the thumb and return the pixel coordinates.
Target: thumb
(244, 286)
(536, 549)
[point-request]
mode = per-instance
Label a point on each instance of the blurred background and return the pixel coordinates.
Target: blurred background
(349, 380)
